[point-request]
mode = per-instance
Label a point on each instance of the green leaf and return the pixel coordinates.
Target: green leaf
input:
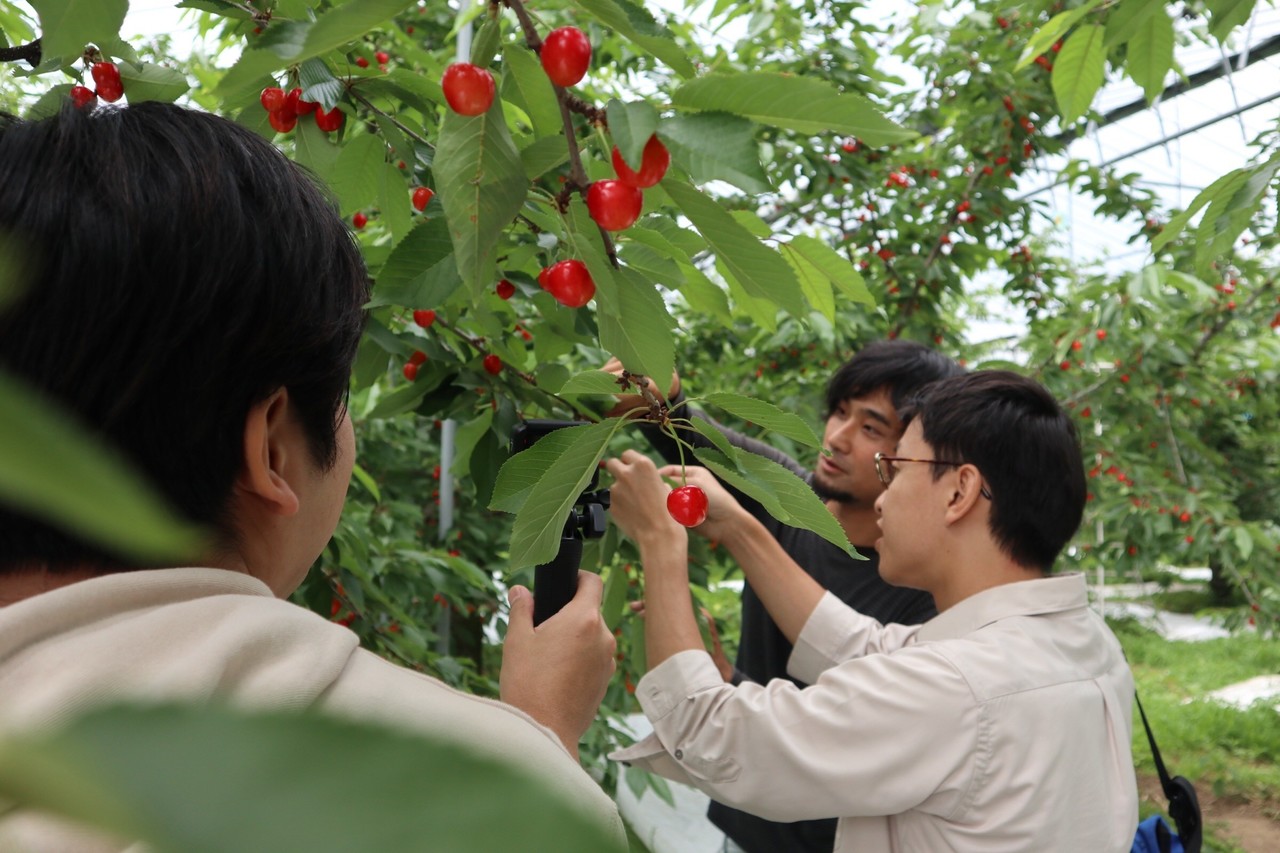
(1150, 54)
(591, 382)
(704, 295)
(420, 272)
(613, 604)
(538, 96)
(813, 281)
(354, 178)
(542, 155)
(784, 495)
(148, 82)
(639, 332)
(113, 769)
(716, 146)
(1226, 184)
(484, 47)
(1124, 20)
(535, 535)
(1078, 71)
(468, 436)
(367, 481)
(318, 84)
(631, 125)
(53, 469)
(347, 22)
(636, 24)
(760, 271)
(394, 208)
(1244, 542)
(66, 26)
(1226, 15)
(522, 470)
(1048, 34)
(804, 104)
(481, 184)
(766, 415)
(1230, 213)
(312, 148)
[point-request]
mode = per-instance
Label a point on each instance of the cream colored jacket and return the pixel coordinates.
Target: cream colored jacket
(1002, 724)
(201, 634)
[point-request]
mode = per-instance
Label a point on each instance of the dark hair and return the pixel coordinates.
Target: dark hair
(180, 270)
(1027, 449)
(901, 367)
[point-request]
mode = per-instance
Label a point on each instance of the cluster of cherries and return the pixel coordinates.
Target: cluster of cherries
(108, 86)
(283, 110)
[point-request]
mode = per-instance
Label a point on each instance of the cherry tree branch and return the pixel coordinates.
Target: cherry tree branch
(30, 53)
(407, 131)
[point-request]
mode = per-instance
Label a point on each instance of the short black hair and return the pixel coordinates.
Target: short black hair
(901, 367)
(180, 270)
(1027, 449)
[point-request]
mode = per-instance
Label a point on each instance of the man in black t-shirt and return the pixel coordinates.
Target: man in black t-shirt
(863, 399)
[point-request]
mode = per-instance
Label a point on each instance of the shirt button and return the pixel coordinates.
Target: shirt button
(679, 754)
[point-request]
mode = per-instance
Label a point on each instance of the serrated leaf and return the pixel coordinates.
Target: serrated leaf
(639, 333)
(148, 82)
(704, 295)
(631, 125)
(762, 311)
(1226, 15)
(1230, 213)
(522, 470)
(777, 487)
(766, 415)
(355, 174)
(583, 237)
(416, 90)
(1228, 183)
(636, 24)
(1124, 20)
(412, 265)
(312, 148)
(1150, 54)
(591, 382)
(837, 268)
(657, 241)
(542, 155)
(394, 209)
(484, 47)
(347, 22)
(1058, 25)
(713, 434)
(653, 266)
(539, 98)
(716, 146)
(760, 271)
(52, 469)
(481, 184)
(1078, 71)
(804, 104)
(535, 535)
(66, 26)
(318, 84)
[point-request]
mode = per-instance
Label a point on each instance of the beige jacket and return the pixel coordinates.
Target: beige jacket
(1003, 724)
(198, 634)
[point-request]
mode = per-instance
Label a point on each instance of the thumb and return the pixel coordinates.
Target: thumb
(520, 619)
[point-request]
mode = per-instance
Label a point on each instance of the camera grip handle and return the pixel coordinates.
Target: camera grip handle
(555, 583)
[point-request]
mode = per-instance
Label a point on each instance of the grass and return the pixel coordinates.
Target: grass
(1224, 751)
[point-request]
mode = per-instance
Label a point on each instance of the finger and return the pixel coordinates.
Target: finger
(590, 589)
(520, 619)
(673, 472)
(613, 365)
(636, 606)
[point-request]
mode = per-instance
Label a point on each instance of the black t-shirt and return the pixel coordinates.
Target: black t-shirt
(763, 650)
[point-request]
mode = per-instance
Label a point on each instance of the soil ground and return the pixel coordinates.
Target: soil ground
(1253, 827)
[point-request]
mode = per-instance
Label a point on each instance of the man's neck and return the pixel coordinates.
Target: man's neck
(858, 521)
(25, 583)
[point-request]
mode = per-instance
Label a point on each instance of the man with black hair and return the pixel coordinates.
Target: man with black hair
(1003, 723)
(863, 402)
(190, 295)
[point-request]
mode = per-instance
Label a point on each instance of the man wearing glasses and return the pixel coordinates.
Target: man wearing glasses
(1003, 723)
(863, 399)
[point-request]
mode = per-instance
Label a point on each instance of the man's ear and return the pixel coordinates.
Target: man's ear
(966, 494)
(268, 442)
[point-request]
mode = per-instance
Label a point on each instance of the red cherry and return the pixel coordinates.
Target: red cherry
(467, 88)
(283, 120)
(505, 289)
(1066, 365)
(359, 220)
(272, 99)
(543, 277)
(383, 57)
(492, 365)
(688, 505)
(570, 283)
(566, 55)
(1185, 517)
(424, 317)
(1102, 334)
(614, 205)
(653, 164)
(411, 371)
(329, 121)
(362, 62)
(82, 96)
(418, 357)
(421, 198)
(107, 78)
(294, 101)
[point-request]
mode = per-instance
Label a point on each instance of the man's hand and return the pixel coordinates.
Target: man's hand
(638, 499)
(557, 673)
(636, 403)
(725, 516)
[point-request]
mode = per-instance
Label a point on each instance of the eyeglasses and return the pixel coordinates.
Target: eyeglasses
(885, 471)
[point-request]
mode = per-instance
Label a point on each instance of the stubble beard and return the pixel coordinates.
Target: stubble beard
(826, 492)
